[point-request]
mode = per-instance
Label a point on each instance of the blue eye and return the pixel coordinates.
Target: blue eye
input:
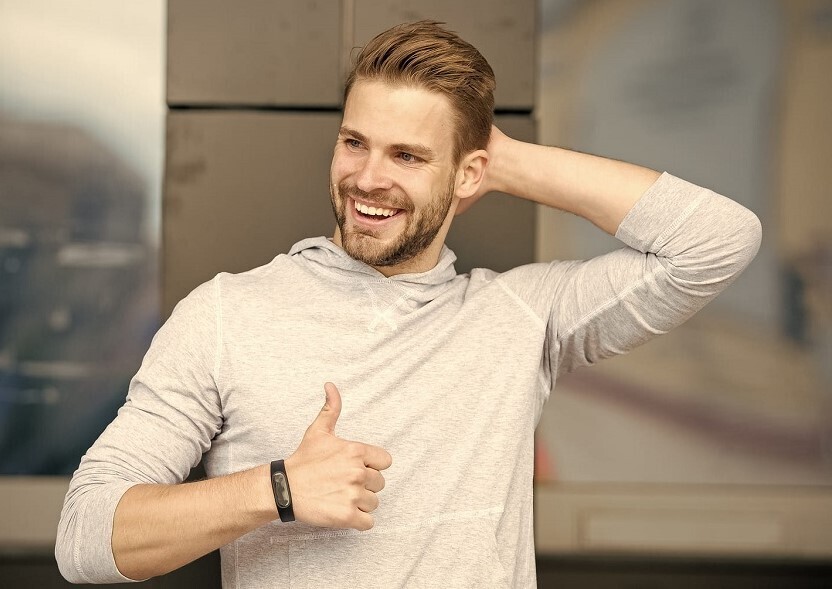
(354, 143)
(408, 157)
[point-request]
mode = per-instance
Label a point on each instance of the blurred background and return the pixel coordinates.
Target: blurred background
(143, 148)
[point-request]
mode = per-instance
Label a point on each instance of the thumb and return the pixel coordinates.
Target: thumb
(328, 416)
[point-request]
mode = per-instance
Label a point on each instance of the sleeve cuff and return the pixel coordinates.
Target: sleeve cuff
(93, 551)
(659, 212)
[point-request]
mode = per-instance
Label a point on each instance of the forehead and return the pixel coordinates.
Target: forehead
(396, 114)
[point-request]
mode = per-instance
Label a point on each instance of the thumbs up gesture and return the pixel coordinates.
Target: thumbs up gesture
(334, 482)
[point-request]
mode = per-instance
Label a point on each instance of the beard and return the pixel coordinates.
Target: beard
(421, 229)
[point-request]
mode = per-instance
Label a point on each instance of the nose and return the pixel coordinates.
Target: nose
(373, 175)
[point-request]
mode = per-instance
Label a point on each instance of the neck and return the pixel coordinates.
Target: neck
(421, 263)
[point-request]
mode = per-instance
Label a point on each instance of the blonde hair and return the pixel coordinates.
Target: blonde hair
(425, 55)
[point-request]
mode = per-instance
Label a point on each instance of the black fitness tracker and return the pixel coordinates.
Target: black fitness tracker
(282, 494)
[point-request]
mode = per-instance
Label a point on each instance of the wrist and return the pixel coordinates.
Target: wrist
(263, 497)
(500, 154)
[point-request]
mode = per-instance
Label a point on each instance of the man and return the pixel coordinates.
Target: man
(418, 469)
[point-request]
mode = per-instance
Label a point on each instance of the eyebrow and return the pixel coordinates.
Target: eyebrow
(417, 149)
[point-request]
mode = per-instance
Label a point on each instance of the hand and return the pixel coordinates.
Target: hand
(333, 481)
(495, 142)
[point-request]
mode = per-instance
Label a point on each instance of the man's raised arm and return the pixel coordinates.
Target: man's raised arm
(598, 189)
(686, 244)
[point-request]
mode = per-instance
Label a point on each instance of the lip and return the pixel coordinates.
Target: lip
(363, 220)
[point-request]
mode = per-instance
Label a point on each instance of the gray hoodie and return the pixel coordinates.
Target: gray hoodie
(447, 372)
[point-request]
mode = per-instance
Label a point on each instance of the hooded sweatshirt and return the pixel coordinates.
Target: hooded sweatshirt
(447, 372)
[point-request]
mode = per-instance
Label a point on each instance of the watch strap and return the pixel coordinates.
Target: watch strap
(282, 493)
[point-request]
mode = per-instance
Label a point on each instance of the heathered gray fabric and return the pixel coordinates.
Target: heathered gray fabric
(448, 372)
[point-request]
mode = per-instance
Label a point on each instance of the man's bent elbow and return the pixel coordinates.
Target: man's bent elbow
(83, 544)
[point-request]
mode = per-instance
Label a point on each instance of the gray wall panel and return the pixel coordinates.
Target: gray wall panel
(240, 188)
(274, 52)
(504, 32)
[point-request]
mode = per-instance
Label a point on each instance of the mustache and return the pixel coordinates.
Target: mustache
(375, 198)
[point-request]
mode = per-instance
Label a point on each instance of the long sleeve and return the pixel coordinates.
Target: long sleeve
(686, 244)
(171, 414)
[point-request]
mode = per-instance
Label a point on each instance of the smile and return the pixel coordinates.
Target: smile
(375, 211)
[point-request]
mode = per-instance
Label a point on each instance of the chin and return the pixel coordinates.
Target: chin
(368, 249)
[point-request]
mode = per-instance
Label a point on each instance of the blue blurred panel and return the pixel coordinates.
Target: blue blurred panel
(80, 120)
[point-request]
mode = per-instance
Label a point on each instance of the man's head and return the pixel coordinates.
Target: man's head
(425, 55)
(417, 117)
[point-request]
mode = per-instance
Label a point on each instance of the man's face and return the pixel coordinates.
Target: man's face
(392, 178)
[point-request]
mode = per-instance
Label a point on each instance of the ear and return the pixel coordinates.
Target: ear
(470, 173)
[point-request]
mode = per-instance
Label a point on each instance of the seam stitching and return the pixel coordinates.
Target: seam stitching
(218, 318)
(76, 547)
(610, 302)
(682, 217)
(521, 303)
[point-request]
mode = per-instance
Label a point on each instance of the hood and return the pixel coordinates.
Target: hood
(324, 256)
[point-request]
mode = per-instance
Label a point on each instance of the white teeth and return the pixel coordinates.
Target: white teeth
(376, 211)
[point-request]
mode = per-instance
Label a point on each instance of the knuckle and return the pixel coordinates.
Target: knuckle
(357, 475)
(343, 518)
(355, 449)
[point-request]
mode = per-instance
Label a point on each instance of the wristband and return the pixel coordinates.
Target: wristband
(282, 494)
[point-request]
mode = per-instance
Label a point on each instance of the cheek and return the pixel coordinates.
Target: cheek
(342, 166)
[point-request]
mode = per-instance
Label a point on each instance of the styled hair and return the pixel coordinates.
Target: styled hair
(425, 55)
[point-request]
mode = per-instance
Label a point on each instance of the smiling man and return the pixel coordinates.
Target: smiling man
(394, 177)
(392, 199)
(418, 470)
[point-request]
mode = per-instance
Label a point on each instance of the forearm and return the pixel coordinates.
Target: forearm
(159, 528)
(600, 190)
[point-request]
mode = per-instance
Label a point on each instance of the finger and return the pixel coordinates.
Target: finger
(377, 458)
(362, 521)
(367, 502)
(328, 416)
(374, 481)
